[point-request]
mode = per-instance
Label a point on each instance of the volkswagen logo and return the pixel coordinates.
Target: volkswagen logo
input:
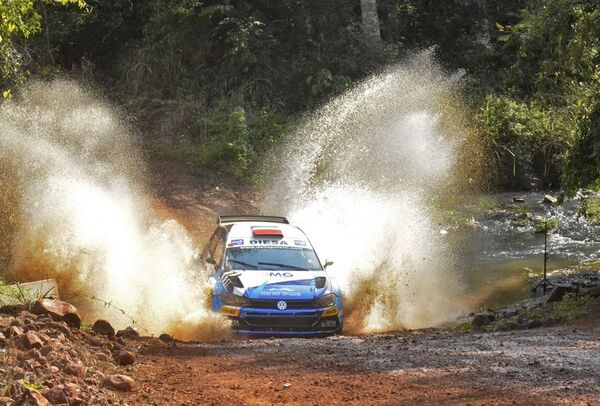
(281, 305)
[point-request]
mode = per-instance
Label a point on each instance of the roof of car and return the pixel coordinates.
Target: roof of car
(245, 230)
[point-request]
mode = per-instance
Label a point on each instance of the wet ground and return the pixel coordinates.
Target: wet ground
(557, 365)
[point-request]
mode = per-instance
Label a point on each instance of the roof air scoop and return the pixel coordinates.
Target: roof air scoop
(266, 232)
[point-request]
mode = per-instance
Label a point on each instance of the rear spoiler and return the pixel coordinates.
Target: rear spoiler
(241, 218)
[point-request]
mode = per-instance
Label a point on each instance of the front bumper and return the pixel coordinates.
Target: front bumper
(249, 320)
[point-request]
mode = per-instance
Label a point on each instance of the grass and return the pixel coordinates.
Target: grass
(15, 294)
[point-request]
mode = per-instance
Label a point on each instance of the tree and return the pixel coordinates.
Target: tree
(370, 20)
(19, 20)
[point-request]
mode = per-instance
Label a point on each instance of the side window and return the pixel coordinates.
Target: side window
(220, 247)
(216, 245)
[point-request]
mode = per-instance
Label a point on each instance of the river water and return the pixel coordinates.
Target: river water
(501, 250)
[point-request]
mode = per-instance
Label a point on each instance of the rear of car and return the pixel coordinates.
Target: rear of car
(269, 280)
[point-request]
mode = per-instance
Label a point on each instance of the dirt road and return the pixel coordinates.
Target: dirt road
(539, 366)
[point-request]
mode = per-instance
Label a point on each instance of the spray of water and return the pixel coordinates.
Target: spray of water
(74, 208)
(363, 176)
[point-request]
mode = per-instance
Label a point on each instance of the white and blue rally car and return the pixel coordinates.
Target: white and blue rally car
(269, 280)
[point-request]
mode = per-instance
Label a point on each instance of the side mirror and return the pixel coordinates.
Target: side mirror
(211, 260)
(327, 263)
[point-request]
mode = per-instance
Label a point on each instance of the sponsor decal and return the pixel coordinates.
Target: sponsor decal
(280, 274)
(237, 242)
(282, 305)
(300, 243)
(268, 242)
(280, 292)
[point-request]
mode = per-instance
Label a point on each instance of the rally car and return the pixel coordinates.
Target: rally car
(268, 279)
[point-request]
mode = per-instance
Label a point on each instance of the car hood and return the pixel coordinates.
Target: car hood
(274, 285)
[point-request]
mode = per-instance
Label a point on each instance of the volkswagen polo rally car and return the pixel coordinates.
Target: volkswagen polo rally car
(269, 280)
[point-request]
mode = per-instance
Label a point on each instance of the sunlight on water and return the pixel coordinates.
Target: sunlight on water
(79, 213)
(362, 176)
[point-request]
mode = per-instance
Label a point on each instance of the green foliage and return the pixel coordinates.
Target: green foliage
(534, 66)
(547, 112)
(19, 21)
(524, 137)
(228, 140)
(582, 164)
(546, 225)
(590, 208)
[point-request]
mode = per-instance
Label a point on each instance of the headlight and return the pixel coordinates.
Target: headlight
(326, 301)
(234, 300)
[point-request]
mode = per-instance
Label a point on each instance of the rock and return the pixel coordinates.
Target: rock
(31, 340)
(14, 331)
(3, 340)
(12, 309)
(519, 199)
(484, 318)
(593, 292)
(95, 341)
(557, 293)
(36, 399)
(287, 385)
(510, 312)
(165, 337)
(103, 327)
(6, 401)
(125, 358)
(75, 369)
(56, 395)
(550, 199)
(18, 373)
(59, 326)
(59, 310)
(129, 332)
(118, 382)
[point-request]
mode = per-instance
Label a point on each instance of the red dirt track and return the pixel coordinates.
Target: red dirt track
(558, 365)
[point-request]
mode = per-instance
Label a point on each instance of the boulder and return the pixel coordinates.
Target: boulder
(59, 310)
(483, 318)
(165, 337)
(125, 358)
(550, 199)
(129, 332)
(103, 327)
(118, 382)
(6, 401)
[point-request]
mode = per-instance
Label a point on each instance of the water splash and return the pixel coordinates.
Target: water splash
(76, 209)
(363, 176)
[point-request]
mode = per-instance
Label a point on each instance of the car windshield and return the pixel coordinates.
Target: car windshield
(296, 259)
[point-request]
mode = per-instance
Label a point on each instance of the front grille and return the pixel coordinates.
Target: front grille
(282, 321)
(291, 304)
(292, 323)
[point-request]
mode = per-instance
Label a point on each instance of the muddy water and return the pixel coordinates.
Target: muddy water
(501, 251)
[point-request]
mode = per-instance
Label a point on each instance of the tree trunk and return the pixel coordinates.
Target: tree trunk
(370, 20)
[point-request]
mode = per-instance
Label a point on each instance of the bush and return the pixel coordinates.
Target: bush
(229, 140)
(524, 138)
